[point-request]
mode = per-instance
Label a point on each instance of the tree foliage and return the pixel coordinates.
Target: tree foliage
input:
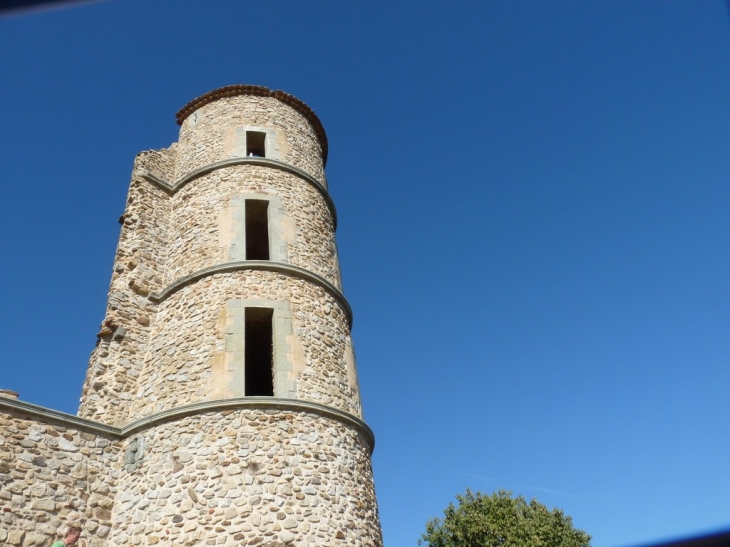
(500, 520)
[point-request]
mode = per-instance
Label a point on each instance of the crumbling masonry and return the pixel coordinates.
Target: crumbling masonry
(221, 404)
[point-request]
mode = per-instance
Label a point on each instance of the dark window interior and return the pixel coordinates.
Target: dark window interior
(259, 352)
(256, 144)
(257, 229)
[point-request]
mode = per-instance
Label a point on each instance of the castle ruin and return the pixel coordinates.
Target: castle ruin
(221, 403)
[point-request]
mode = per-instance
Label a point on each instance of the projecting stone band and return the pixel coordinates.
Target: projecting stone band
(41, 414)
(266, 162)
(264, 265)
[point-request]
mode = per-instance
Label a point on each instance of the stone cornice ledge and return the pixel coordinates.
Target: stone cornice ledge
(56, 416)
(260, 403)
(266, 265)
(42, 413)
(267, 162)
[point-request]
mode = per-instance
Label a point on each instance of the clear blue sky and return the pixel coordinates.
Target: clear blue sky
(534, 203)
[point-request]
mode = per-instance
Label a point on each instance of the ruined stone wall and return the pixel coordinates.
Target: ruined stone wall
(192, 460)
(188, 359)
(116, 362)
(261, 474)
(206, 220)
(214, 132)
(249, 477)
(168, 233)
(51, 477)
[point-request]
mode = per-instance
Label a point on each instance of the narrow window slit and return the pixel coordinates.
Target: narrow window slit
(257, 229)
(259, 352)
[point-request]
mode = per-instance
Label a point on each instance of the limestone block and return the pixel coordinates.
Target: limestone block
(32, 539)
(15, 537)
(43, 505)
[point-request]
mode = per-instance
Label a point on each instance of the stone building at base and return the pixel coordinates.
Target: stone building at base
(221, 404)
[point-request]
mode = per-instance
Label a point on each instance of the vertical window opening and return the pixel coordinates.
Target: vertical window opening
(256, 144)
(257, 229)
(259, 354)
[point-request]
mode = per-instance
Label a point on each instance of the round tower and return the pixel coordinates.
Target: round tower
(225, 355)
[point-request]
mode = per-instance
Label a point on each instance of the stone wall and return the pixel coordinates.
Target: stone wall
(186, 456)
(116, 362)
(213, 132)
(170, 232)
(53, 476)
(249, 477)
(186, 357)
(205, 221)
(270, 473)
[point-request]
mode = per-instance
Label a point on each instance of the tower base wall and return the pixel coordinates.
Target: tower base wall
(249, 477)
(259, 472)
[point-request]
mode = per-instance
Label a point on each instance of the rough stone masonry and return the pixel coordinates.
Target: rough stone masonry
(221, 404)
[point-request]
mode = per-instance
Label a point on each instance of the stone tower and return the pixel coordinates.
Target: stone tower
(225, 359)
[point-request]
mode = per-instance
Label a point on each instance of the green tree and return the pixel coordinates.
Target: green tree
(500, 520)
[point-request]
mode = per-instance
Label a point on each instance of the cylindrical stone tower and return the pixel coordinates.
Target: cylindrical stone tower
(225, 355)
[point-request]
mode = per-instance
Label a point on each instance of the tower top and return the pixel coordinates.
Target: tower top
(259, 91)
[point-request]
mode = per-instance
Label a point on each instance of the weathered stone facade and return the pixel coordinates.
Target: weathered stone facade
(55, 474)
(172, 445)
